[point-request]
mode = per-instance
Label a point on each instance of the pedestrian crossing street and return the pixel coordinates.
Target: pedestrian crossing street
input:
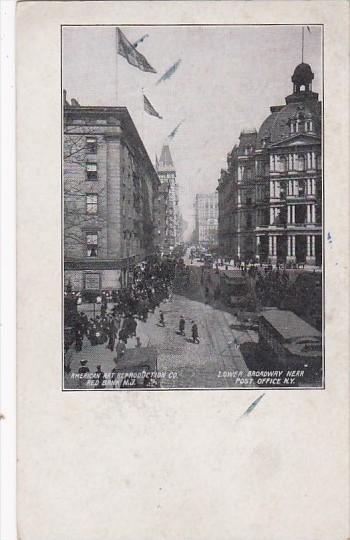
(184, 363)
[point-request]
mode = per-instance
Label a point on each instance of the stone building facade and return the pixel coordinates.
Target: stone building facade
(274, 181)
(110, 189)
(162, 217)
(206, 218)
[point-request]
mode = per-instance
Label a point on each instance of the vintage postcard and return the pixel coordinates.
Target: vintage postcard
(183, 270)
(192, 238)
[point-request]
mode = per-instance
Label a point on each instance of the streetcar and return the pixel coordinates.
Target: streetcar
(236, 291)
(292, 342)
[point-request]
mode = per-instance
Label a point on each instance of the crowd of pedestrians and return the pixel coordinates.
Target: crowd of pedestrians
(151, 285)
(121, 310)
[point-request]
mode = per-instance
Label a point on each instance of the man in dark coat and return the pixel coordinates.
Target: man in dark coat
(99, 378)
(161, 319)
(83, 372)
(111, 335)
(195, 337)
(182, 325)
(120, 349)
(123, 336)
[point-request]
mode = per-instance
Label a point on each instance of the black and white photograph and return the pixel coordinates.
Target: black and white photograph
(192, 207)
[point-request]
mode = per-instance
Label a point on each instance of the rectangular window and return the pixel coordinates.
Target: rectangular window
(92, 282)
(91, 171)
(91, 145)
(91, 244)
(91, 203)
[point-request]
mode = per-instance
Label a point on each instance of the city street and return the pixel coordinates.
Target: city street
(216, 362)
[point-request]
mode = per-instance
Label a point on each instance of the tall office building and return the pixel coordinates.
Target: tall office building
(206, 218)
(110, 189)
(270, 196)
(167, 176)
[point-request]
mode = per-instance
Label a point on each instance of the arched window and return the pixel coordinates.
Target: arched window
(282, 164)
(308, 125)
(301, 163)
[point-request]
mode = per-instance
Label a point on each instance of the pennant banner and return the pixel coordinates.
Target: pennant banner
(173, 133)
(169, 72)
(149, 108)
(126, 49)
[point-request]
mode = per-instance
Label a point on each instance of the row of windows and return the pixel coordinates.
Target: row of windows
(280, 163)
(296, 188)
(92, 203)
(298, 125)
(280, 189)
(295, 162)
(208, 206)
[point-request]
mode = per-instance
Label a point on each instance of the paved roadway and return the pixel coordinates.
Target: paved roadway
(216, 362)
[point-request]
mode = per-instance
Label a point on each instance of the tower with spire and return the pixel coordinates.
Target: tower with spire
(167, 176)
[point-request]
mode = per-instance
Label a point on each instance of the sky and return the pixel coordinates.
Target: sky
(228, 78)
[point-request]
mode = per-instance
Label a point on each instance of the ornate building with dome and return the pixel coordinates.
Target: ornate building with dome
(270, 195)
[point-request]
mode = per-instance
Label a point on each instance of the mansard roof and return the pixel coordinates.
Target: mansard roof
(276, 126)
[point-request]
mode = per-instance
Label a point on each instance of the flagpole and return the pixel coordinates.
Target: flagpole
(302, 45)
(143, 114)
(116, 65)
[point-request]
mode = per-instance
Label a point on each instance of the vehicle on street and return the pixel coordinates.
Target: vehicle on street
(294, 343)
(236, 291)
(208, 260)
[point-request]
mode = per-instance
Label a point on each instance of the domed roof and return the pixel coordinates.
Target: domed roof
(299, 104)
(302, 74)
(276, 126)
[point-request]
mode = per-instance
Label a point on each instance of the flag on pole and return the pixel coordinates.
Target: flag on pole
(149, 108)
(140, 40)
(126, 49)
(173, 133)
(169, 72)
